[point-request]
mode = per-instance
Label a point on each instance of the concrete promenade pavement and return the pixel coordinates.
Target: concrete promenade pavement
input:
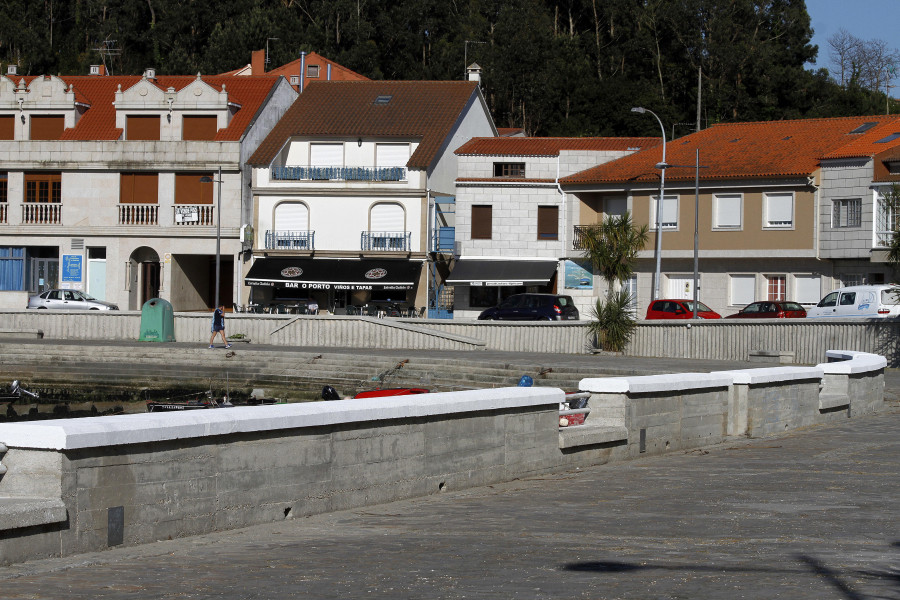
(809, 514)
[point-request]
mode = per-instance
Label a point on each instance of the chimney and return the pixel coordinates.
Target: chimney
(328, 72)
(11, 69)
(302, 70)
(97, 70)
(474, 72)
(150, 73)
(258, 62)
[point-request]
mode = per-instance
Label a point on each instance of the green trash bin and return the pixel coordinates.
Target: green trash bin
(157, 321)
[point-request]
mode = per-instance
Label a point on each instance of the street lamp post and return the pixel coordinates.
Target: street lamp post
(659, 203)
(218, 180)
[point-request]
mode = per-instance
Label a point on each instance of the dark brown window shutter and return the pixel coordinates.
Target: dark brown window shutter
(548, 223)
(142, 128)
(190, 190)
(481, 222)
(139, 188)
(7, 127)
(47, 127)
(200, 127)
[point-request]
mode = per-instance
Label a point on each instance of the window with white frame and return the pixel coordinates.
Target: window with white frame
(326, 155)
(728, 211)
(846, 213)
(743, 289)
(630, 286)
(808, 289)
(391, 155)
(886, 220)
(776, 287)
(669, 213)
(779, 210)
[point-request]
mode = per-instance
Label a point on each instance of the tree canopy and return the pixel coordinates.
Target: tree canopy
(552, 67)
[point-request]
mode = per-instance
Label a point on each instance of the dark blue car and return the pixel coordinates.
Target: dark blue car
(532, 307)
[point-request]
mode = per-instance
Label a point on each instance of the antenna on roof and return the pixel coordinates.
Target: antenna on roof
(108, 48)
(267, 52)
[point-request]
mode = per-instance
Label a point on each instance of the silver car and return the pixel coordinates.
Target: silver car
(68, 300)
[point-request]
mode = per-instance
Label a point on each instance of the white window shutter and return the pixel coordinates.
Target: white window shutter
(391, 155)
(387, 217)
(326, 155)
(779, 210)
(291, 216)
(809, 289)
(728, 211)
(743, 289)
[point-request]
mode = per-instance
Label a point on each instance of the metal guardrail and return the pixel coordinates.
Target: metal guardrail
(290, 240)
(386, 240)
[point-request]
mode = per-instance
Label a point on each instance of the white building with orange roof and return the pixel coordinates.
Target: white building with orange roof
(120, 186)
(515, 225)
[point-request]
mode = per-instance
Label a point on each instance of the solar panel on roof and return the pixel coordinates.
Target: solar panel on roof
(865, 127)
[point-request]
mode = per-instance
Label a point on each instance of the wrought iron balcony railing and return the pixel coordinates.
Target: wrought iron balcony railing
(290, 240)
(386, 240)
(339, 173)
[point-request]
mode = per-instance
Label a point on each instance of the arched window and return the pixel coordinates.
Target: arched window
(387, 227)
(291, 216)
(387, 216)
(291, 228)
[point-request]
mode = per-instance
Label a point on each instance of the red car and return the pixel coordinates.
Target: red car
(770, 310)
(679, 309)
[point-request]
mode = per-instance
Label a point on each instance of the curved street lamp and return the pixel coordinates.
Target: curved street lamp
(659, 203)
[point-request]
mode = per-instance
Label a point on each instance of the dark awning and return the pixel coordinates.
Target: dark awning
(334, 273)
(501, 272)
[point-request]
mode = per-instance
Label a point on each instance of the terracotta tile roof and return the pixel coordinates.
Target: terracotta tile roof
(98, 93)
(424, 110)
(338, 72)
(748, 151)
(537, 146)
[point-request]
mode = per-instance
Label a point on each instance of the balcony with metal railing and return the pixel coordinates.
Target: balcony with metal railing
(388, 241)
(290, 240)
(42, 213)
(578, 237)
(443, 240)
(138, 214)
(339, 173)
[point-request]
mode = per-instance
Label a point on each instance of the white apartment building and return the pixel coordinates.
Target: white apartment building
(119, 186)
(349, 190)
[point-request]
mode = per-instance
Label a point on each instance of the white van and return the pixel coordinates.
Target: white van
(870, 301)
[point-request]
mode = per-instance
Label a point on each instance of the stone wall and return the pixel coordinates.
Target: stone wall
(79, 485)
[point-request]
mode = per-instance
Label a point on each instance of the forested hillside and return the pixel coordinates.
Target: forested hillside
(554, 67)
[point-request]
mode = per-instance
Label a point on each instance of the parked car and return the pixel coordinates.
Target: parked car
(679, 309)
(532, 307)
(870, 301)
(769, 309)
(68, 300)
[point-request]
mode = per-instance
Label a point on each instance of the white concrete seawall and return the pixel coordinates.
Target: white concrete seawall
(82, 485)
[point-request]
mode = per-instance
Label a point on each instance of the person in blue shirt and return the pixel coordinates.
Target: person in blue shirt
(218, 326)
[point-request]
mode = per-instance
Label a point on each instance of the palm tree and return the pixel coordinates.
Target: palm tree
(611, 247)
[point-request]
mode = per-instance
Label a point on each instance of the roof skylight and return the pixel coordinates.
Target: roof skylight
(382, 100)
(889, 138)
(865, 127)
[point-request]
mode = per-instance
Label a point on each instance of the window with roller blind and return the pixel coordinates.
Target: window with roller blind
(190, 190)
(326, 155)
(669, 214)
(47, 127)
(481, 222)
(742, 289)
(727, 211)
(138, 188)
(199, 127)
(779, 210)
(7, 127)
(548, 223)
(142, 127)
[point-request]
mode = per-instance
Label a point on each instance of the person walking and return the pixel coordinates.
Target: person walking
(218, 326)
